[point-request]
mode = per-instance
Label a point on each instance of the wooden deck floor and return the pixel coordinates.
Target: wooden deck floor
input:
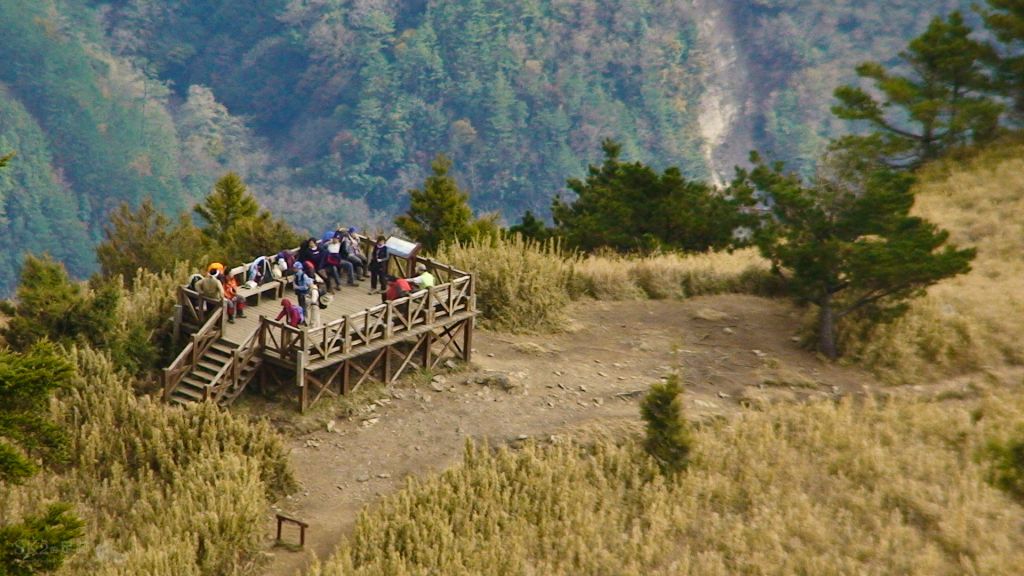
(349, 300)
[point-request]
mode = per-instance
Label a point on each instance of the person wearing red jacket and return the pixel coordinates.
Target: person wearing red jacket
(292, 314)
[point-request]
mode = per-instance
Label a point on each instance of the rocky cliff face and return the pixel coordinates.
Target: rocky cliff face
(727, 109)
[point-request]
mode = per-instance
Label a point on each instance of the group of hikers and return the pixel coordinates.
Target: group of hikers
(316, 262)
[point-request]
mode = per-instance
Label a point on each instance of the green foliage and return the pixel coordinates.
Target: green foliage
(257, 236)
(439, 213)
(225, 208)
(532, 228)
(847, 243)
(1008, 464)
(146, 239)
(668, 438)
(941, 106)
(39, 544)
(51, 306)
(27, 381)
(1005, 19)
(628, 207)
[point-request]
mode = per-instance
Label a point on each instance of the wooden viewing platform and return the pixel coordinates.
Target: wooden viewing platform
(359, 338)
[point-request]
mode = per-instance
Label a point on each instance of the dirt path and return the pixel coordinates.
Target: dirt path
(728, 349)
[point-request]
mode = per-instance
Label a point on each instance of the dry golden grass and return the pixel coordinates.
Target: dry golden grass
(817, 489)
(162, 490)
(972, 321)
(521, 285)
(611, 277)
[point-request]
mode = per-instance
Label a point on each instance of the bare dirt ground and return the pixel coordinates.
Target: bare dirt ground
(728, 349)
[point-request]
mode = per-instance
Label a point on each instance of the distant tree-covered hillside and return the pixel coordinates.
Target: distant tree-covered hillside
(333, 109)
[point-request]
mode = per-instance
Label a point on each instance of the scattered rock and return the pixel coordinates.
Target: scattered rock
(450, 364)
(531, 348)
(602, 374)
(384, 475)
(710, 314)
(599, 401)
(330, 425)
(436, 386)
(313, 443)
(522, 437)
(723, 395)
(759, 353)
(728, 330)
(497, 380)
(363, 478)
(370, 422)
(596, 361)
(795, 339)
(583, 388)
(622, 377)
(490, 354)
(397, 395)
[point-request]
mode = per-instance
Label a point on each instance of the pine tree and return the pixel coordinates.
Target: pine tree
(629, 207)
(1005, 18)
(847, 243)
(26, 383)
(440, 212)
(668, 438)
(941, 106)
(228, 204)
(146, 239)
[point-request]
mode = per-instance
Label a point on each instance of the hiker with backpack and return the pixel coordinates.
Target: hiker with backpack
(291, 313)
(302, 283)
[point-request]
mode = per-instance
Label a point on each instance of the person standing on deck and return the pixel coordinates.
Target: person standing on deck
(302, 284)
(379, 266)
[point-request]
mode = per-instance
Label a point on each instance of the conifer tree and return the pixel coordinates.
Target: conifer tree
(228, 204)
(847, 243)
(439, 212)
(146, 239)
(5, 159)
(940, 106)
(629, 207)
(668, 438)
(1005, 18)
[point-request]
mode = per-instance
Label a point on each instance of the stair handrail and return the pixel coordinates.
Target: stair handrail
(189, 356)
(235, 364)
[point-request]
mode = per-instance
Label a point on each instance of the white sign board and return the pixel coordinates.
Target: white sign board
(401, 248)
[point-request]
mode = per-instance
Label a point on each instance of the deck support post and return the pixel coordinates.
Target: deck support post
(467, 339)
(176, 334)
(300, 373)
(428, 344)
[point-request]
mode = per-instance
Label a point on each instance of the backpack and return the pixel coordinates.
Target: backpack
(259, 271)
(288, 257)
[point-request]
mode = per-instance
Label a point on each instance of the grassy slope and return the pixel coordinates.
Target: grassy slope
(971, 322)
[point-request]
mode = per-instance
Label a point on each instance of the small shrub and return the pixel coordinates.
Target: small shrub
(1008, 465)
(668, 437)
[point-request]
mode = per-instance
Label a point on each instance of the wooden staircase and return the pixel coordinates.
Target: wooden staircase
(215, 377)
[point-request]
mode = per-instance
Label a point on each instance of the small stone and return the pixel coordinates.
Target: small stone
(436, 386)
(551, 404)
(728, 330)
(723, 395)
(583, 388)
(599, 401)
(596, 361)
(602, 374)
(330, 425)
(384, 475)
(312, 443)
(557, 372)
(795, 339)
(340, 487)
(522, 437)
(622, 377)
(490, 354)
(450, 364)
(363, 478)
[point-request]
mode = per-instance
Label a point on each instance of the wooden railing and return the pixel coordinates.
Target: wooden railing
(370, 326)
(197, 346)
(230, 376)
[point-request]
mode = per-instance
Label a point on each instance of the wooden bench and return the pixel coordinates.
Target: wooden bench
(281, 519)
(271, 285)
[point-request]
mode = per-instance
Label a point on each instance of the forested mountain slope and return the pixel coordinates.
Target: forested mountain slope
(332, 109)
